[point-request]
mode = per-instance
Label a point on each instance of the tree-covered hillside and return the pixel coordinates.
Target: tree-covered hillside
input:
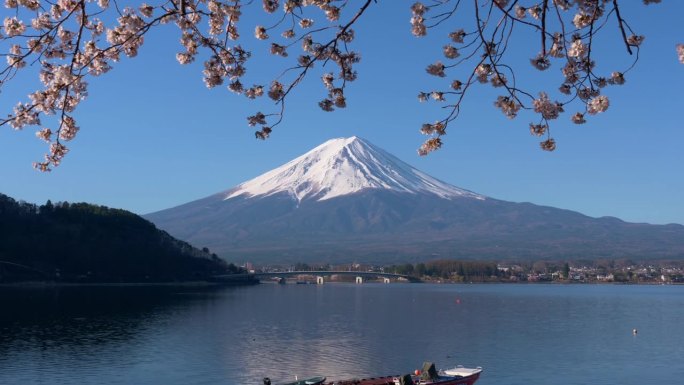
(81, 242)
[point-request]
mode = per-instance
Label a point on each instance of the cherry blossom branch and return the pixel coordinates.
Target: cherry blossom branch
(321, 53)
(622, 27)
(580, 83)
(66, 43)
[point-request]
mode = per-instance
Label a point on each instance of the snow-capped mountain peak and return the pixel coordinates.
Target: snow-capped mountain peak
(344, 166)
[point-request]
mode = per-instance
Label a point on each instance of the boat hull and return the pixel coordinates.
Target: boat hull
(307, 381)
(390, 380)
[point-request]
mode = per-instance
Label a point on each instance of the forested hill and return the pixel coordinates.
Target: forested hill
(81, 242)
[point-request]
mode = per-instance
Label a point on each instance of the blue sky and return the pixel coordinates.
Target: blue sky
(152, 136)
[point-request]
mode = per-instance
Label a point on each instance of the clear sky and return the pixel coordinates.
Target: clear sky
(152, 136)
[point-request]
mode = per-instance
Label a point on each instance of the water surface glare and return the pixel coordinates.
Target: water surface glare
(520, 334)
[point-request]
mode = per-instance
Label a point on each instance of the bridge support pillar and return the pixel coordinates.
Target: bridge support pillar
(359, 279)
(319, 280)
(385, 280)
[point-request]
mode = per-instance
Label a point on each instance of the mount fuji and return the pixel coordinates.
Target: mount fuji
(349, 200)
(341, 167)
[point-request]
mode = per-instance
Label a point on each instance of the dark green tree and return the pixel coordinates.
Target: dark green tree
(566, 270)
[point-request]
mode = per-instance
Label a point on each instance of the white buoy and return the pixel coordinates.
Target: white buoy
(634, 331)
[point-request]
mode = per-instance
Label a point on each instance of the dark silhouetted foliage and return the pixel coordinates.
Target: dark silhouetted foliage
(80, 242)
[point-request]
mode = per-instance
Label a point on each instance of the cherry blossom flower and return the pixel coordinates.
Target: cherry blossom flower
(146, 10)
(541, 62)
(538, 129)
(498, 80)
(457, 36)
(328, 79)
(332, 13)
(436, 69)
(520, 11)
(260, 32)
(535, 11)
(306, 23)
(326, 105)
(418, 8)
(276, 91)
(508, 106)
(577, 49)
(258, 118)
(578, 118)
(270, 6)
(45, 134)
(438, 96)
(483, 71)
(450, 52)
(548, 109)
(277, 49)
(582, 20)
(430, 145)
(635, 40)
(565, 89)
(14, 26)
(617, 78)
(548, 145)
(597, 105)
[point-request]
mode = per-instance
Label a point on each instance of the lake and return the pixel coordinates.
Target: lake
(520, 334)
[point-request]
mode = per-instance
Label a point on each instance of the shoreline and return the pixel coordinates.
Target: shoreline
(246, 282)
(241, 280)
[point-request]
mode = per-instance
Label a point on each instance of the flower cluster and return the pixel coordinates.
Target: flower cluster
(417, 20)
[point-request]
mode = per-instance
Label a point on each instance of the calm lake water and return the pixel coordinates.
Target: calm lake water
(520, 334)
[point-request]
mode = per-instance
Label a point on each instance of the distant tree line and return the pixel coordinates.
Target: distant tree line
(81, 242)
(458, 270)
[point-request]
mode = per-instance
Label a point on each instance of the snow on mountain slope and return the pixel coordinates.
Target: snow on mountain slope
(344, 166)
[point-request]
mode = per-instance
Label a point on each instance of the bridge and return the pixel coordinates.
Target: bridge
(320, 274)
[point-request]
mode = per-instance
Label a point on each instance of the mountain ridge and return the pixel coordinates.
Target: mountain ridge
(394, 213)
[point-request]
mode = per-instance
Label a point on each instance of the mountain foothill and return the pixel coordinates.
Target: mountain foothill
(85, 243)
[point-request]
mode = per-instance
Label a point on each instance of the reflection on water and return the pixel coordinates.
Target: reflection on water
(84, 334)
(521, 334)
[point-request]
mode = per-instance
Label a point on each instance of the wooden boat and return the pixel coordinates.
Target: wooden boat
(428, 376)
(306, 381)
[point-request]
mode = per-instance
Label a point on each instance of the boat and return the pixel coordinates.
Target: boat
(458, 375)
(306, 381)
